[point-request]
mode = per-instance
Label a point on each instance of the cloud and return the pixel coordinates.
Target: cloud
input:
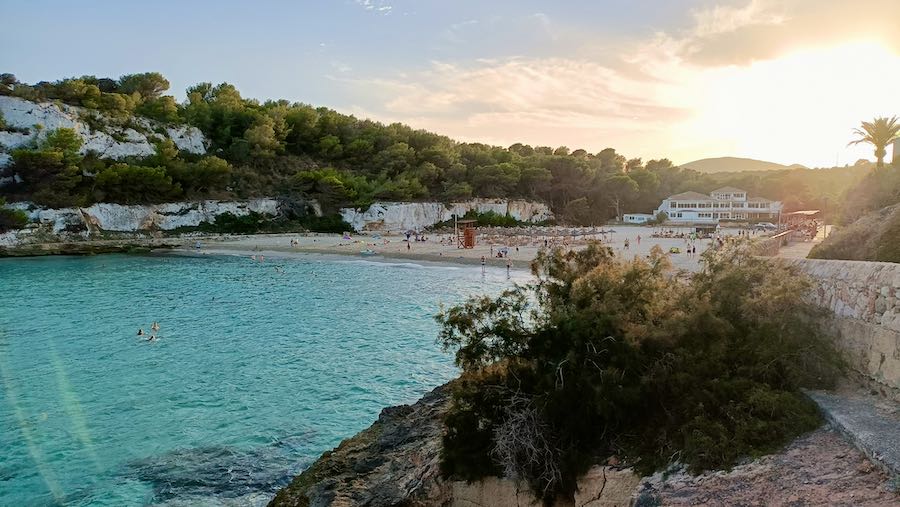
(732, 81)
(456, 32)
(522, 99)
(377, 6)
(765, 29)
(340, 66)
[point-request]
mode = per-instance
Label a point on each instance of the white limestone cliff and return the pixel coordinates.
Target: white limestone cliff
(136, 218)
(29, 122)
(404, 216)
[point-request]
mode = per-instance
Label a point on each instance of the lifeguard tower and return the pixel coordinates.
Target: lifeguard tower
(465, 233)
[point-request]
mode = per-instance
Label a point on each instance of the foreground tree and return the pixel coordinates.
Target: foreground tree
(602, 357)
(879, 132)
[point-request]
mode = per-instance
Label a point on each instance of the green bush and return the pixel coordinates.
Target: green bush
(49, 175)
(128, 184)
(11, 219)
(255, 223)
(486, 219)
(604, 357)
(163, 109)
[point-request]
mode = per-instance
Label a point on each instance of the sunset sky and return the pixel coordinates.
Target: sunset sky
(783, 81)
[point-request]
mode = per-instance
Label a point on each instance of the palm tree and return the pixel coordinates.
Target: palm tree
(879, 133)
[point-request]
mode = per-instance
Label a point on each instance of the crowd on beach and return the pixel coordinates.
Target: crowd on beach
(501, 245)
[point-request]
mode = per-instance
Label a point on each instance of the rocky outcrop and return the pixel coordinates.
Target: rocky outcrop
(30, 122)
(404, 216)
(83, 223)
(396, 461)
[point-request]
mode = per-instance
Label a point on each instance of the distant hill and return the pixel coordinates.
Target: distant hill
(736, 164)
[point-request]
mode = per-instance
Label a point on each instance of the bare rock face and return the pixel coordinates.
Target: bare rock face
(404, 216)
(396, 461)
(31, 121)
(138, 217)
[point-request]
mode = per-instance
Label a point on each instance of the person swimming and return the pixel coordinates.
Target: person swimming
(141, 332)
(152, 337)
(154, 326)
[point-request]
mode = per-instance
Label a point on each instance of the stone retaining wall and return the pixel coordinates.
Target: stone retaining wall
(863, 296)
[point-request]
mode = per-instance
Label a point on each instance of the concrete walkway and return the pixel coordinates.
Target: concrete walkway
(872, 423)
(797, 249)
(800, 249)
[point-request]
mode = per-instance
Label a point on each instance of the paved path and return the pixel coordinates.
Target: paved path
(801, 249)
(871, 422)
(820, 469)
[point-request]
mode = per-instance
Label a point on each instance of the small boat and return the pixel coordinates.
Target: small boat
(368, 252)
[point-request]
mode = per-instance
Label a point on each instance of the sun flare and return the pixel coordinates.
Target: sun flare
(755, 110)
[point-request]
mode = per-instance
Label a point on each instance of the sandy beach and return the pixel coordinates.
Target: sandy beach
(519, 245)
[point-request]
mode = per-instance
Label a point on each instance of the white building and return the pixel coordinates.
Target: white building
(637, 218)
(726, 203)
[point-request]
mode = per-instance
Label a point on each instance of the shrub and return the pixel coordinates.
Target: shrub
(11, 219)
(603, 357)
(50, 175)
(128, 184)
(163, 109)
(252, 223)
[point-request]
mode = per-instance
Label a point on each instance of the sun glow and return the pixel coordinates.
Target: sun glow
(803, 102)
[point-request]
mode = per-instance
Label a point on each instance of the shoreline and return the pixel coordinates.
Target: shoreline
(520, 246)
(427, 258)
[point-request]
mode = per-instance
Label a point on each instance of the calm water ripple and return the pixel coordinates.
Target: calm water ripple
(256, 370)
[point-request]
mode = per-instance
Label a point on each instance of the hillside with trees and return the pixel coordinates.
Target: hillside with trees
(735, 164)
(292, 150)
(869, 218)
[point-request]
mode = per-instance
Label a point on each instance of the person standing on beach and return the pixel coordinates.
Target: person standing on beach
(508, 266)
(482, 264)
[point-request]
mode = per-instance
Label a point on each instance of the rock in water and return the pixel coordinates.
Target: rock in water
(214, 472)
(396, 461)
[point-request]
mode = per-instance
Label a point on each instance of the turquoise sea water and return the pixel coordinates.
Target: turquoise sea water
(258, 369)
